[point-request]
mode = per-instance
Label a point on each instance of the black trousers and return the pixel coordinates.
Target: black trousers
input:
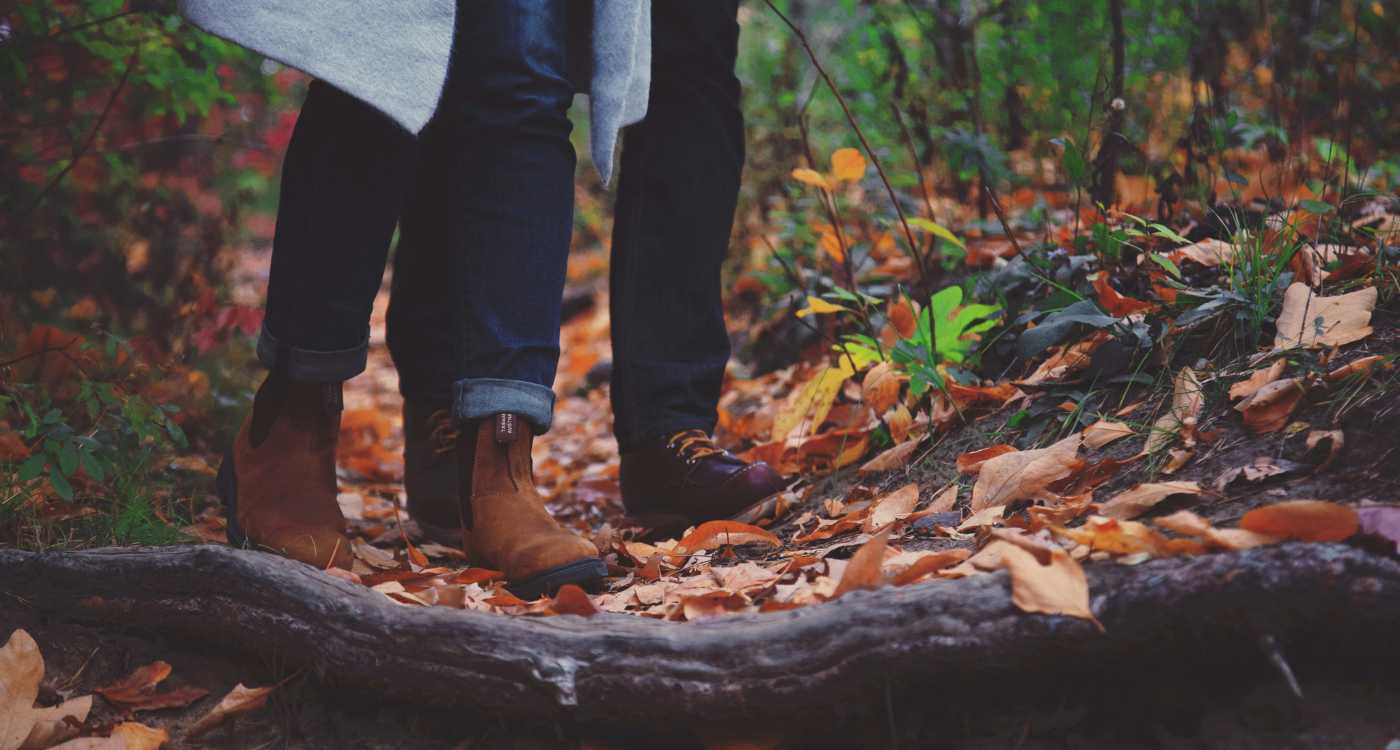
(679, 183)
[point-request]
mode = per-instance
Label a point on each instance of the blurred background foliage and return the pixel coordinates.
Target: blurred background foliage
(139, 161)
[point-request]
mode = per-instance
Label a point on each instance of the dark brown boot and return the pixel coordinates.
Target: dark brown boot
(278, 480)
(685, 479)
(508, 527)
(431, 480)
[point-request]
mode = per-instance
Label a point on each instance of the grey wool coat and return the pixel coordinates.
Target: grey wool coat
(393, 54)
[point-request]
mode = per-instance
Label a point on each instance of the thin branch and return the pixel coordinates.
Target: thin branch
(860, 134)
(92, 135)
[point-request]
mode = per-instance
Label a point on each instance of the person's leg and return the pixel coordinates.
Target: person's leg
(504, 136)
(679, 186)
(679, 183)
(342, 182)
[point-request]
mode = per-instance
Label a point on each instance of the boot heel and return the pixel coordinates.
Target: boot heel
(226, 487)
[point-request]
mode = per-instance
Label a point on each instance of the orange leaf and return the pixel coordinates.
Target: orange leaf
(902, 317)
(1115, 303)
(1359, 367)
(1143, 497)
(1307, 520)
(572, 600)
(1104, 431)
(718, 533)
(1058, 588)
(811, 177)
(831, 245)
(865, 569)
(137, 686)
(930, 563)
(1258, 379)
(891, 458)
(995, 395)
(971, 462)
(240, 700)
(880, 388)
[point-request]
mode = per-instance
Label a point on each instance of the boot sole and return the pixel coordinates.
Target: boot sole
(226, 487)
(587, 574)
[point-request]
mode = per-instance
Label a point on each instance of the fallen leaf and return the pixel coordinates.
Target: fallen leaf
(572, 600)
(1268, 409)
(892, 507)
(138, 685)
(1259, 469)
(926, 563)
(1114, 302)
(21, 669)
(1024, 474)
(1105, 431)
(1142, 498)
(1180, 419)
(971, 462)
(880, 388)
(1305, 520)
(240, 700)
(865, 570)
(810, 403)
(1258, 379)
(1382, 521)
(1357, 368)
(985, 517)
(994, 395)
(1334, 439)
(811, 177)
(1209, 252)
(1310, 320)
(902, 317)
(136, 736)
(1117, 537)
(890, 458)
(712, 534)
(92, 743)
(54, 725)
(944, 501)
(1177, 458)
(1058, 588)
(712, 603)
(1067, 359)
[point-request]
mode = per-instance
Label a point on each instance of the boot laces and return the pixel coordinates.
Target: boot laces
(693, 445)
(444, 431)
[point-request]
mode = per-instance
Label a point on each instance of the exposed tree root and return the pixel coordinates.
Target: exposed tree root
(617, 668)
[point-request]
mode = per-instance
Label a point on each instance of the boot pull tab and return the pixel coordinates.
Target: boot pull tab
(507, 428)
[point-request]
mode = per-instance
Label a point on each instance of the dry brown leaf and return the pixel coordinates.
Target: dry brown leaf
(712, 603)
(1105, 431)
(1180, 419)
(1268, 409)
(902, 317)
(1306, 520)
(1058, 588)
(572, 600)
(966, 396)
(892, 507)
(891, 458)
(712, 534)
(1117, 537)
(136, 736)
(1188, 523)
(1142, 498)
(1359, 367)
(1262, 467)
(1113, 301)
(880, 388)
(1334, 439)
(985, 517)
(865, 570)
(54, 725)
(21, 669)
(1177, 458)
(1067, 359)
(1258, 379)
(92, 743)
(1309, 320)
(240, 700)
(1208, 252)
(924, 564)
(971, 462)
(944, 501)
(899, 422)
(1024, 474)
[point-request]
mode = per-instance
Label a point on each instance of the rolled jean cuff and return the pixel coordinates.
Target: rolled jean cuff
(310, 366)
(477, 398)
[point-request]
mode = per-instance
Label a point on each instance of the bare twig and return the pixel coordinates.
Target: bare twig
(82, 150)
(860, 134)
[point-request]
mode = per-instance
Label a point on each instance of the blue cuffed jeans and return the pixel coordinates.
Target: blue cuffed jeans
(492, 173)
(679, 184)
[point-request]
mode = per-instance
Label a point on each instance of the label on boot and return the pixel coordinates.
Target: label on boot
(507, 428)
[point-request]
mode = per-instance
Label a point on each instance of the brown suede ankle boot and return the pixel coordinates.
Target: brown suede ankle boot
(508, 527)
(278, 480)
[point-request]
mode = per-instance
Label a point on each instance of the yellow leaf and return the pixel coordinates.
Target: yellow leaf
(819, 306)
(139, 736)
(832, 247)
(937, 230)
(847, 164)
(811, 403)
(811, 177)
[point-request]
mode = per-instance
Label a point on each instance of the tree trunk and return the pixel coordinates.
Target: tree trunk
(648, 673)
